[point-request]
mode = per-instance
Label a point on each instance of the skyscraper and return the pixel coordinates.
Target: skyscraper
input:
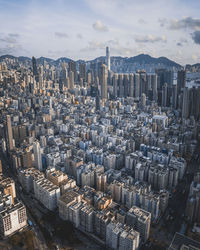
(72, 67)
(164, 76)
(137, 85)
(131, 85)
(164, 95)
(115, 85)
(9, 134)
(154, 80)
(71, 80)
(82, 71)
(181, 80)
(103, 82)
(108, 57)
(185, 104)
(37, 155)
(35, 70)
(174, 96)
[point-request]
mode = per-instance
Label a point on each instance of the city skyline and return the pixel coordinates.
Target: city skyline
(82, 29)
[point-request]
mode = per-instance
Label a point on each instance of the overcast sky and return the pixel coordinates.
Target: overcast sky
(81, 29)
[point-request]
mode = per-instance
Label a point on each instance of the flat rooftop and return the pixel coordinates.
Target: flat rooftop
(181, 240)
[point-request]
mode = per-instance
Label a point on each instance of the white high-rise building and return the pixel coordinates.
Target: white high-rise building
(37, 155)
(108, 58)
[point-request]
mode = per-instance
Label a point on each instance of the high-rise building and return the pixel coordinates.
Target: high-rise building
(72, 67)
(181, 80)
(82, 71)
(71, 80)
(154, 82)
(140, 220)
(115, 85)
(103, 82)
(9, 134)
(164, 76)
(174, 96)
(164, 95)
(143, 100)
(108, 58)
(37, 155)
(137, 85)
(126, 85)
(131, 85)
(35, 70)
(185, 104)
(121, 85)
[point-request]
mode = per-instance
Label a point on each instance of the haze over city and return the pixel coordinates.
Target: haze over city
(81, 29)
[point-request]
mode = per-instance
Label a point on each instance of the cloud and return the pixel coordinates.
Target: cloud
(58, 53)
(150, 39)
(10, 38)
(196, 37)
(162, 21)
(115, 46)
(141, 21)
(99, 26)
(61, 34)
(182, 41)
(195, 57)
(79, 36)
(184, 23)
(12, 49)
(94, 45)
(179, 44)
(13, 35)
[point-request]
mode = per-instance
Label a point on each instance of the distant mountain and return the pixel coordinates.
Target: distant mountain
(193, 68)
(147, 59)
(142, 61)
(118, 63)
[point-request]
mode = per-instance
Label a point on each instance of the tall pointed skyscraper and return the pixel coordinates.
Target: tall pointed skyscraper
(108, 58)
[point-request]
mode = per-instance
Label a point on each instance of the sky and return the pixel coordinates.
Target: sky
(81, 29)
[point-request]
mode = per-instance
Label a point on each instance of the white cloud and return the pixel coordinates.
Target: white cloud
(150, 39)
(99, 26)
(61, 34)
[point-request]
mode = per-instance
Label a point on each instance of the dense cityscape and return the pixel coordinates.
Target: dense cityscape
(94, 156)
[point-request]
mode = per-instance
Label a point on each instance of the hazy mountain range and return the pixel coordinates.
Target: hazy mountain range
(120, 64)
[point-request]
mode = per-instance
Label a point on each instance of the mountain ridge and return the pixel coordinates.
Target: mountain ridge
(140, 59)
